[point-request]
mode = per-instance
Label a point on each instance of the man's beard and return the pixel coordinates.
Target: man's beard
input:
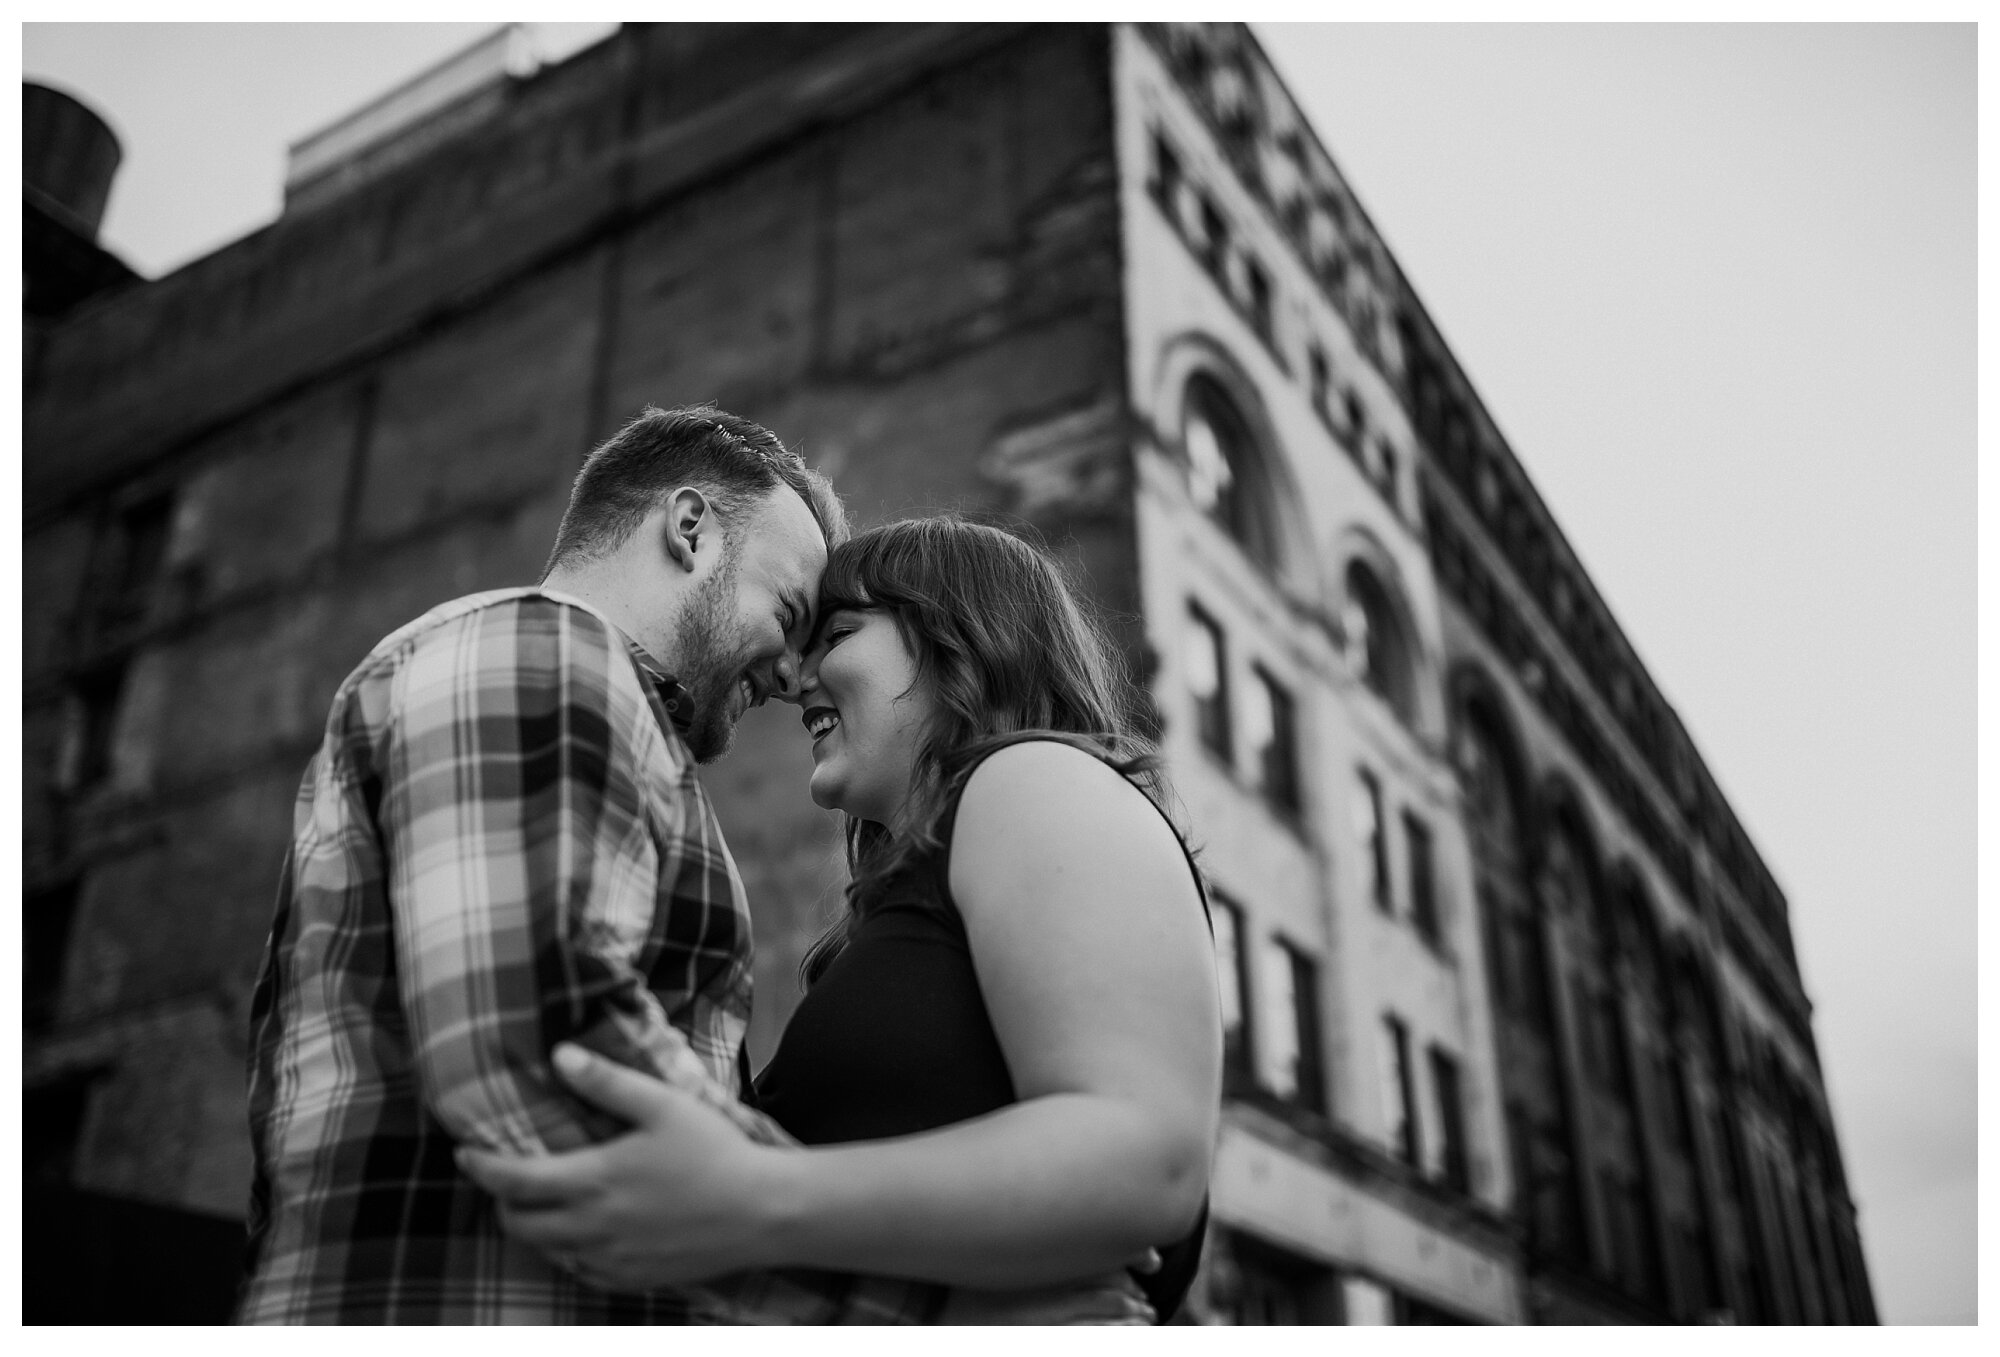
(710, 663)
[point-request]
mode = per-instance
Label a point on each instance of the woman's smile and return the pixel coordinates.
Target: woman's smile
(819, 721)
(865, 712)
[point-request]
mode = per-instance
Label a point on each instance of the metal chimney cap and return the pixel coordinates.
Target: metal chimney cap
(69, 154)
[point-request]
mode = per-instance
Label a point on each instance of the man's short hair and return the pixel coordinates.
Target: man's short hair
(729, 459)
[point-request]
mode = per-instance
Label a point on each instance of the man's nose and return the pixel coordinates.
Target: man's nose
(788, 673)
(800, 677)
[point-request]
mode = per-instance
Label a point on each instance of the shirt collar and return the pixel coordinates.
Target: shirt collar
(673, 694)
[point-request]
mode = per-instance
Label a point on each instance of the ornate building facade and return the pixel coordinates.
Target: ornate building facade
(1516, 1032)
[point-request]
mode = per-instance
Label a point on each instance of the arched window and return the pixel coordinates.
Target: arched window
(1489, 800)
(1225, 470)
(1493, 823)
(1639, 942)
(1377, 646)
(1565, 883)
(1490, 774)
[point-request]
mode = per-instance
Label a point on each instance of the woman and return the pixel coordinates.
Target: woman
(1008, 1056)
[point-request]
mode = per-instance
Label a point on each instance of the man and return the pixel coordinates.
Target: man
(502, 844)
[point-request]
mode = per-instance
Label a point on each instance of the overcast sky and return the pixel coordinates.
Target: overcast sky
(1717, 285)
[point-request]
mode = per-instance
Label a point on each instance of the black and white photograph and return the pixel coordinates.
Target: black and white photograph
(1135, 672)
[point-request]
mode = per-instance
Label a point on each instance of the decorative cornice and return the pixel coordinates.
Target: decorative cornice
(1488, 480)
(1267, 141)
(1280, 163)
(1491, 605)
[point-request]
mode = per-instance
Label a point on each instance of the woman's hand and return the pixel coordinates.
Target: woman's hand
(675, 1200)
(681, 1197)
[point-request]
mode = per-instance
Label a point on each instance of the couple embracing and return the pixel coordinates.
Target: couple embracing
(497, 1068)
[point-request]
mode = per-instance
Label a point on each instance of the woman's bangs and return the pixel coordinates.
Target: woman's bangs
(843, 584)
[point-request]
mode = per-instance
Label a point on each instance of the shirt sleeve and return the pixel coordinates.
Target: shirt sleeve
(522, 867)
(523, 884)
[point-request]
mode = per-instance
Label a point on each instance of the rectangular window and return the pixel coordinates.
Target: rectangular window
(1750, 1286)
(1308, 1067)
(1231, 978)
(90, 725)
(1453, 1164)
(1214, 237)
(1498, 966)
(1672, 1108)
(1166, 184)
(1385, 456)
(1694, 1270)
(1259, 287)
(131, 564)
(1333, 270)
(1293, 1064)
(1521, 1158)
(1728, 1164)
(1583, 1003)
(1617, 1228)
(1533, 973)
(1632, 1246)
(1680, 1113)
(1208, 680)
(1611, 1042)
(1559, 1212)
(1409, 1309)
(1265, 1284)
(1368, 826)
(1423, 893)
(1647, 1281)
(1271, 731)
(1816, 1279)
(45, 929)
(1322, 377)
(52, 1117)
(1279, 1056)
(1399, 1091)
(1357, 422)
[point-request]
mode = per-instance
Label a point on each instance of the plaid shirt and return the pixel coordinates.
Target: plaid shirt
(501, 844)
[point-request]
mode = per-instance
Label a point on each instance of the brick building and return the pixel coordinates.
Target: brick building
(1516, 1029)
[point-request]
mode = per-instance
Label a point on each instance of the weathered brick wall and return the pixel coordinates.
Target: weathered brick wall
(896, 247)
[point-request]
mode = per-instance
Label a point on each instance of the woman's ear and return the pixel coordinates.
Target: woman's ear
(688, 518)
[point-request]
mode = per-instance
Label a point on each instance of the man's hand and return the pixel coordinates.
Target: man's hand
(1114, 1299)
(654, 1047)
(677, 1199)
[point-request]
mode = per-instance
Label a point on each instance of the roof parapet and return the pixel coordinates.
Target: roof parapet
(313, 163)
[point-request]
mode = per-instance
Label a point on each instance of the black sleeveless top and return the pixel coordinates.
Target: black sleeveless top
(893, 1038)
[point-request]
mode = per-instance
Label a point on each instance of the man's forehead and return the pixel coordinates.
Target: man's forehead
(788, 538)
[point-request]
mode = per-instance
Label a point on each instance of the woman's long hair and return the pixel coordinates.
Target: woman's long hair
(1005, 648)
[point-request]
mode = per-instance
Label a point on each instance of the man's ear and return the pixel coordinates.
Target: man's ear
(688, 523)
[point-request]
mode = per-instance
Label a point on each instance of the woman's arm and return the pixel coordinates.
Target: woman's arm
(1097, 972)
(1098, 975)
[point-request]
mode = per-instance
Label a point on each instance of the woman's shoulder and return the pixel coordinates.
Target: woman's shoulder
(1044, 819)
(1039, 751)
(1048, 791)
(1039, 769)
